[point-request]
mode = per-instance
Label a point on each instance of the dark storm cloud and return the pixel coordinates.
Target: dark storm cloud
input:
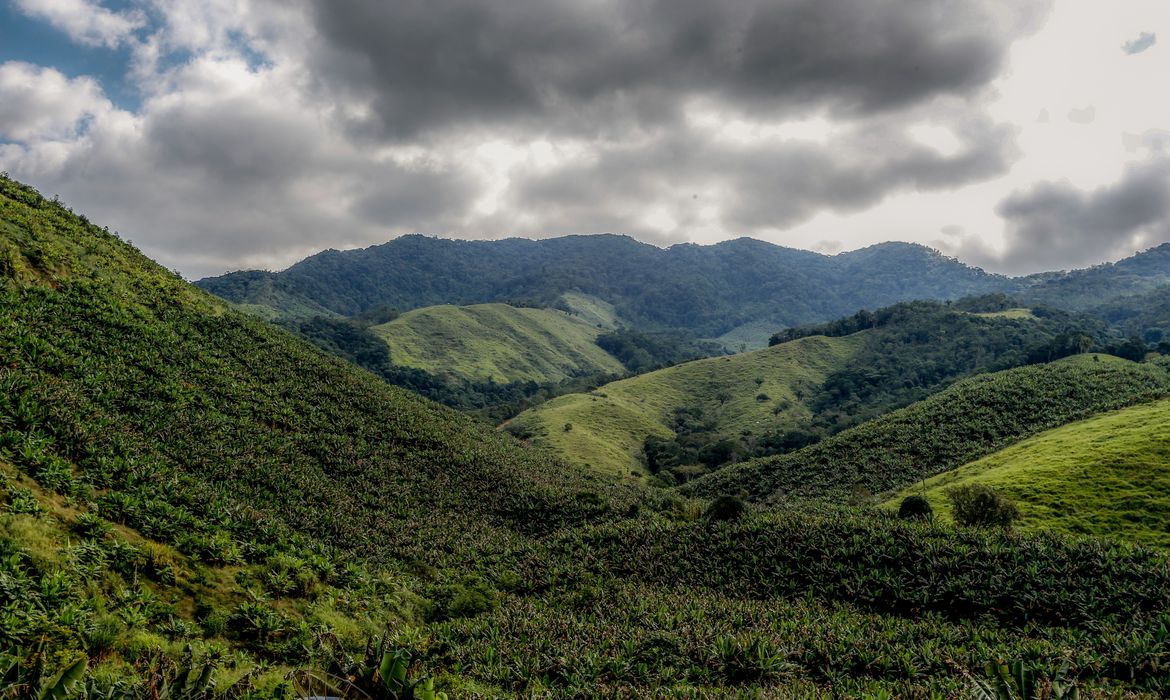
(758, 185)
(1055, 225)
(606, 65)
(1144, 41)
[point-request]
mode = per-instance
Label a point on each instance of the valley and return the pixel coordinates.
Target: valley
(190, 494)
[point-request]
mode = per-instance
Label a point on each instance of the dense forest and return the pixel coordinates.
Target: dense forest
(707, 290)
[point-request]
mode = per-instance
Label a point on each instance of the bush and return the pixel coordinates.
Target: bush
(725, 508)
(979, 505)
(915, 508)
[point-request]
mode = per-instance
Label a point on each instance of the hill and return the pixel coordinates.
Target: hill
(1107, 475)
(607, 428)
(706, 290)
(1146, 315)
(194, 503)
(958, 425)
(497, 342)
(814, 381)
(1088, 288)
(235, 460)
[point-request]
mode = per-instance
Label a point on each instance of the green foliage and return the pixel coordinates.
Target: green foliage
(979, 505)
(270, 507)
(725, 508)
(705, 290)
(1105, 475)
(915, 507)
(960, 424)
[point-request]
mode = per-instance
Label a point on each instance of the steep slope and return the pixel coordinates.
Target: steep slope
(707, 290)
(250, 460)
(605, 429)
(1107, 475)
(958, 425)
(497, 342)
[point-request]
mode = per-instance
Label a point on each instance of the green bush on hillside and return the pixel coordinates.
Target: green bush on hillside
(979, 505)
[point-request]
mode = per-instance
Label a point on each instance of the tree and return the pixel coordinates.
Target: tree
(979, 505)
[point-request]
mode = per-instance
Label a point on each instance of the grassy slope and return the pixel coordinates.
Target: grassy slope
(496, 342)
(594, 311)
(973, 418)
(1107, 475)
(610, 425)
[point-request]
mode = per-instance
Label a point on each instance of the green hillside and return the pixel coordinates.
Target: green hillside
(605, 429)
(814, 381)
(195, 504)
(958, 425)
(497, 342)
(234, 482)
(1107, 475)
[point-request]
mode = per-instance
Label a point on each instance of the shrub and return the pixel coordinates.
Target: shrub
(979, 505)
(725, 508)
(915, 508)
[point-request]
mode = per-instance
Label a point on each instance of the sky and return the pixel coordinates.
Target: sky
(216, 135)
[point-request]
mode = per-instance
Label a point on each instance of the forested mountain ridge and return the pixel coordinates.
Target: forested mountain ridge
(708, 290)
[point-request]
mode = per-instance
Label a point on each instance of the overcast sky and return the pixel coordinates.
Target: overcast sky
(227, 134)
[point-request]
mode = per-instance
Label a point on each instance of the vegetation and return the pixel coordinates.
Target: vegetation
(960, 424)
(812, 382)
(704, 398)
(1106, 475)
(707, 290)
(195, 503)
(255, 492)
(979, 505)
(1089, 288)
(497, 343)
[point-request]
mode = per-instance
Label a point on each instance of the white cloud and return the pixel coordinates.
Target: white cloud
(85, 22)
(41, 104)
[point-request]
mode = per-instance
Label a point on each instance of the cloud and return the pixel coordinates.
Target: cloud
(689, 178)
(41, 103)
(608, 67)
(1144, 41)
(227, 171)
(84, 21)
(1055, 225)
(268, 130)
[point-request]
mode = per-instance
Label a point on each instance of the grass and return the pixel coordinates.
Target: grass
(1108, 475)
(749, 336)
(1008, 313)
(610, 424)
(497, 342)
(594, 311)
